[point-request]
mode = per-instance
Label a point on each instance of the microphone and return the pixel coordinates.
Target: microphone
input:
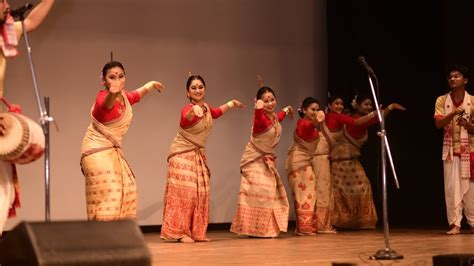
(365, 65)
(19, 12)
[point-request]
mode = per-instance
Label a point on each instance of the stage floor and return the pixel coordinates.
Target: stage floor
(354, 247)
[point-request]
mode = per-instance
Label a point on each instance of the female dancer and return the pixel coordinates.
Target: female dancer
(353, 203)
(262, 208)
(186, 203)
(110, 183)
(300, 168)
(331, 130)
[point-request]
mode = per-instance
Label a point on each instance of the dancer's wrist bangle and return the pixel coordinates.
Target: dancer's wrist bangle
(230, 104)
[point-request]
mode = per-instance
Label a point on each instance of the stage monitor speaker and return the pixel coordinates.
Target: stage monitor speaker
(75, 243)
(453, 260)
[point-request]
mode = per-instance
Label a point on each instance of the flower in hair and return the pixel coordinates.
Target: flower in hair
(354, 102)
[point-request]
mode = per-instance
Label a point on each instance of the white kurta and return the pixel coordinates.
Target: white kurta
(7, 192)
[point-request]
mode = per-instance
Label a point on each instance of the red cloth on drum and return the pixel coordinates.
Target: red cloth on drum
(103, 115)
(14, 108)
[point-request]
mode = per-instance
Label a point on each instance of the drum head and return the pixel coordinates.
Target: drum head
(13, 133)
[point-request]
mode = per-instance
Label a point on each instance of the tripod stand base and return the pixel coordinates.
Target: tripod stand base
(386, 254)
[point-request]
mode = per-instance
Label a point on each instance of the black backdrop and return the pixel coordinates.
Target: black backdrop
(409, 44)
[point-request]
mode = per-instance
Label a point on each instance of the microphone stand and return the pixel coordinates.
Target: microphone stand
(45, 120)
(387, 253)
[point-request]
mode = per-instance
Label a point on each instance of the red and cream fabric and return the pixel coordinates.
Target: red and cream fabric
(324, 195)
(262, 122)
(458, 178)
(110, 183)
(300, 171)
(186, 202)
(463, 136)
(9, 39)
(262, 207)
(9, 186)
(184, 123)
(335, 121)
(103, 115)
(328, 149)
(353, 201)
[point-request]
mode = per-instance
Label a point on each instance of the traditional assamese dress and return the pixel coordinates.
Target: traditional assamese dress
(300, 171)
(262, 207)
(186, 202)
(110, 183)
(322, 172)
(458, 160)
(330, 129)
(353, 201)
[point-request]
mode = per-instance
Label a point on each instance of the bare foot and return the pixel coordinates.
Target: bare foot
(455, 230)
(186, 239)
(298, 233)
(203, 240)
(304, 234)
(327, 231)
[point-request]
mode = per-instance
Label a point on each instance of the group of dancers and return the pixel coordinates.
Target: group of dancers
(323, 158)
(329, 185)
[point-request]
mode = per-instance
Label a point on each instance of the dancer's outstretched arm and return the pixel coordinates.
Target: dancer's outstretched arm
(37, 15)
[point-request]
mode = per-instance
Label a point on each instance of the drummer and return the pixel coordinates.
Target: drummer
(11, 32)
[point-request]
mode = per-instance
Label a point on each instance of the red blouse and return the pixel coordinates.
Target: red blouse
(335, 121)
(358, 132)
(103, 114)
(185, 123)
(306, 130)
(262, 122)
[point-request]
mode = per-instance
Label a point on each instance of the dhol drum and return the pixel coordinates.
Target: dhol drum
(21, 139)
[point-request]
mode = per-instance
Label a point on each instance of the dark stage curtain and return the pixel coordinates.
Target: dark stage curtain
(409, 44)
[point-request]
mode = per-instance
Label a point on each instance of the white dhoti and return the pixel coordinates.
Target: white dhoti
(459, 193)
(7, 192)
